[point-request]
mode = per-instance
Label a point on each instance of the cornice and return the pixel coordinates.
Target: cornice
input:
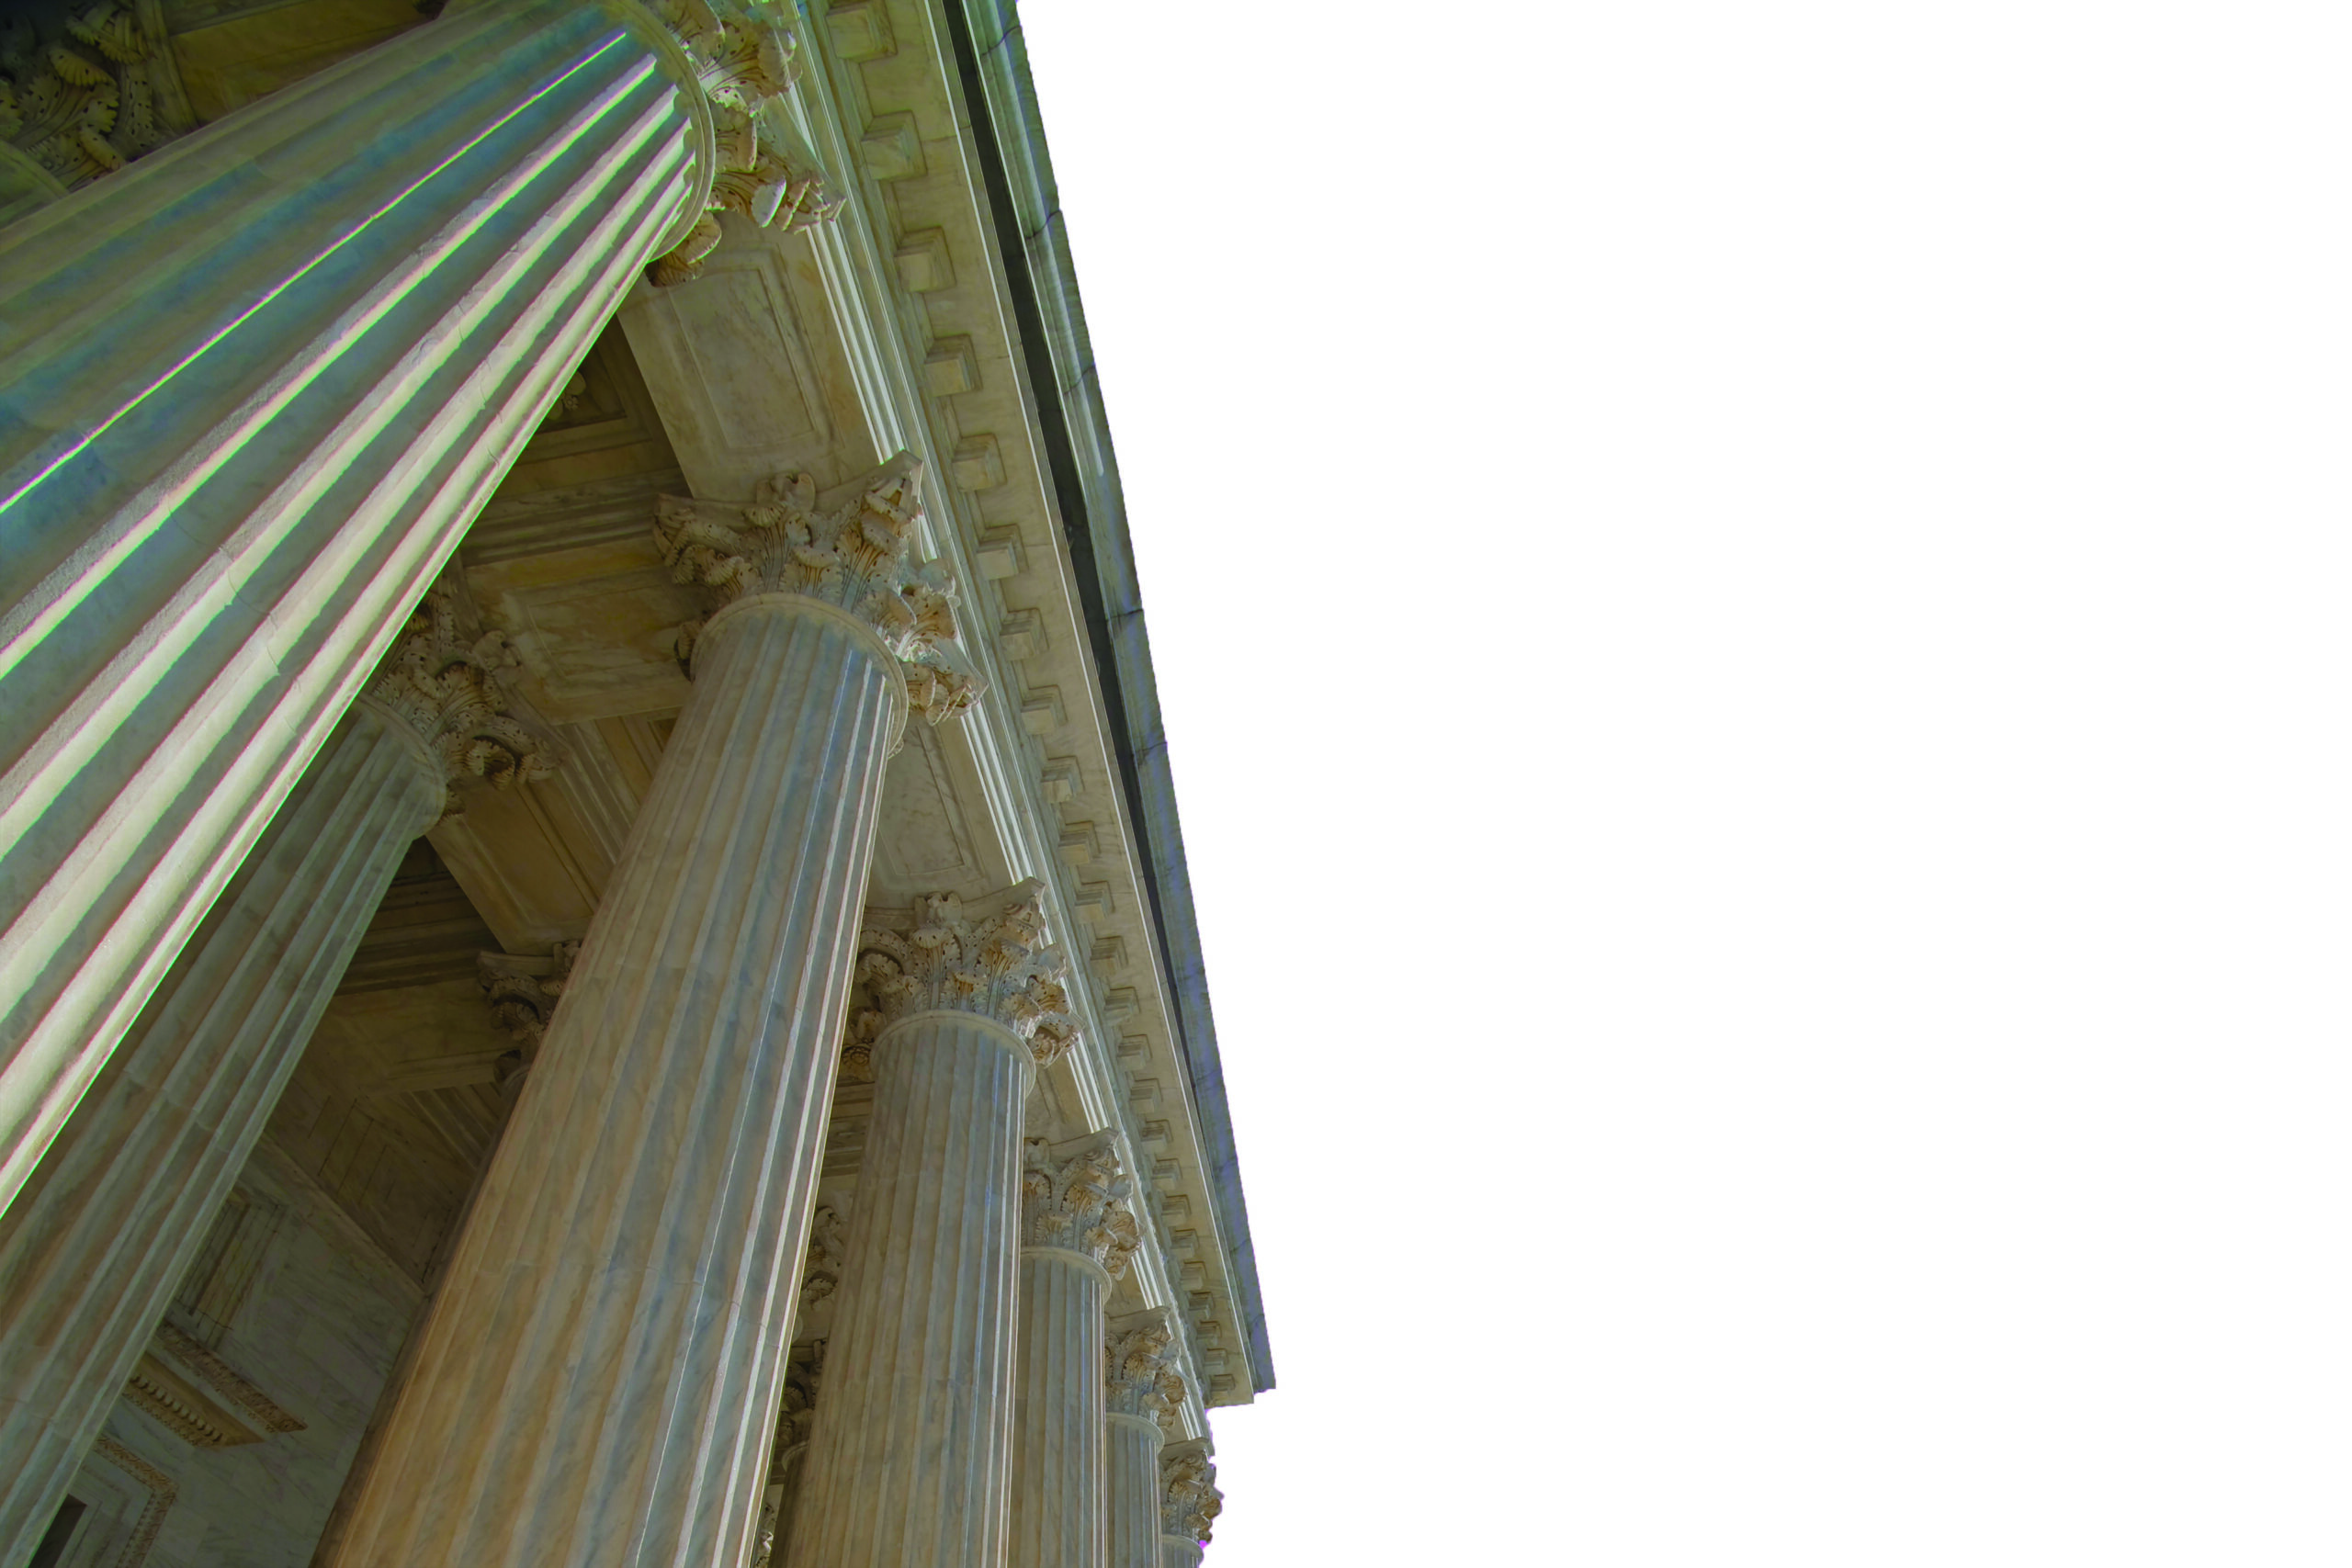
(1009, 139)
(1039, 802)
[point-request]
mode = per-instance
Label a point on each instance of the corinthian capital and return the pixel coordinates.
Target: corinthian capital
(445, 687)
(744, 64)
(1189, 1500)
(1076, 1199)
(89, 86)
(1139, 1356)
(851, 547)
(996, 966)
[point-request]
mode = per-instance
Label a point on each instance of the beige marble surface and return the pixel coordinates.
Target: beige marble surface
(907, 1461)
(316, 1332)
(100, 1239)
(1057, 1490)
(198, 583)
(600, 1376)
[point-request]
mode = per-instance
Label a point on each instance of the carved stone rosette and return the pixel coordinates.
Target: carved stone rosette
(999, 968)
(744, 64)
(445, 687)
(1140, 1370)
(1190, 1501)
(855, 556)
(1077, 1204)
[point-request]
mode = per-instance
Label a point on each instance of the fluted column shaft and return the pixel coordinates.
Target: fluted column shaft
(599, 1376)
(252, 389)
(1131, 1488)
(1175, 1551)
(907, 1462)
(102, 1235)
(1057, 1497)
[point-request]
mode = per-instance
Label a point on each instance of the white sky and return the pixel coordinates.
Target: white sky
(1751, 606)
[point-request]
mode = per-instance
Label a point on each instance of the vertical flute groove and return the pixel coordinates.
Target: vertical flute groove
(907, 1461)
(198, 581)
(1057, 1487)
(1131, 1486)
(612, 1322)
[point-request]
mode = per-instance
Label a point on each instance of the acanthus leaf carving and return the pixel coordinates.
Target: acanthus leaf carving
(820, 1273)
(522, 992)
(744, 64)
(1140, 1377)
(851, 548)
(1190, 1501)
(86, 88)
(999, 966)
(445, 686)
(1077, 1200)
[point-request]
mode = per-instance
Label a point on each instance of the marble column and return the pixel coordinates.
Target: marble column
(804, 1375)
(1143, 1391)
(103, 1233)
(907, 1462)
(253, 388)
(522, 994)
(1077, 1235)
(598, 1377)
(1190, 1503)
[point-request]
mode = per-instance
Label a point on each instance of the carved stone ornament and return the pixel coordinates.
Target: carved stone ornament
(798, 1410)
(857, 1045)
(1139, 1369)
(820, 1274)
(161, 1492)
(1190, 1501)
(85, 88)
(999, 968)
(850, 549)
(1078, 1202)
(745, 61)
(446, 688)
(522, 992)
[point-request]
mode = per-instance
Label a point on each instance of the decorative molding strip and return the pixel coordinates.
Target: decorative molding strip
(227, 1379)
(161, 1492)
(198, 1420)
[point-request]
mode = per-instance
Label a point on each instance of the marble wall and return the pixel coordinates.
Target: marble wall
(316, 1330)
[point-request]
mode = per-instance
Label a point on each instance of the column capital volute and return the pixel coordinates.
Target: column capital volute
(990, 959)
(1074, 1196)
(440, 685)
(735, 61)
(849, 549)
(1141, 1355)
(1190, 1501)
(522, 990)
